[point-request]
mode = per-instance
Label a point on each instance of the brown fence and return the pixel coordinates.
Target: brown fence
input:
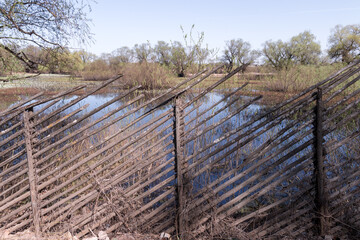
(189, 162)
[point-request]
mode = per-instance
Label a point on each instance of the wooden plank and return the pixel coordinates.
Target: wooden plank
(32, 176)
(291, 217)
(12, 168)
(13, 157)
(213, 86)
(340, 76)
(37, 103)
(92, 112)
(96, 224)
(155, 188)
(97, 153)
(343, 100)
(44, 108)
(184, 90)
(272, 121)
(20, 225)
(8, 202)
(212, 115)
(62, 119)
(342, 112)
(292, 169)
(342, 122)
(19, 104)
(256, 153)
(145, 219)
(75, 101)
(133, 189)
(78, 184)
(82, 129)
(238, 201)
(16, 211)
(161, 197)
(113, 181)
(12, 138)
(11, 192)
(243, 184)
(333, 145)
(271, 206)
(9, 119)
(12, 128)
(178, 168)
(336, 82)
(64, 199)
(212, 106)
(87, 135)
(109, 174)
(13, 177)
(207, 167)
(207, 129)
(347, 85)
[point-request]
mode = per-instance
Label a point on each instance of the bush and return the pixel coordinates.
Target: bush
(97, 70)
(149, 75)
(299, 77)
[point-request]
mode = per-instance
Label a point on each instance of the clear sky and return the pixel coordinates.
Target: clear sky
(117, 23)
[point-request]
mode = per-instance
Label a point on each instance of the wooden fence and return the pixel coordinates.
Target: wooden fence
(187, 161)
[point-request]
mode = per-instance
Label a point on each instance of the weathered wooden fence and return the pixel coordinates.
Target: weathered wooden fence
(179, 164)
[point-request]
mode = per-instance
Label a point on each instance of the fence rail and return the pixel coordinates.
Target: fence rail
(187, 161)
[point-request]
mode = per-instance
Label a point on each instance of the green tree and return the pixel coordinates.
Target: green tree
(278, 54)
(45, 23)
(344, 43)
(8, 63)
(301, 49)
(238, 52)
(143, 52)
(86, 57)
(181, 59)
(122, 55)
(184, 56)
(304, 49)
(61, 60)
(162, 51)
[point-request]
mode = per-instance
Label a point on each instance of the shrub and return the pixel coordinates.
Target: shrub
(149, 75)
(98, 70)
(300, 77)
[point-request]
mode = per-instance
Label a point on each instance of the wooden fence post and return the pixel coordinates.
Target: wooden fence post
(321, 201)
(178, 169)
(32, 175)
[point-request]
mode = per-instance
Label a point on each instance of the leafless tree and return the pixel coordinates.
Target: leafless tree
(47, 24)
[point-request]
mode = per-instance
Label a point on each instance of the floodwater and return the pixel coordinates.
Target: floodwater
(279, 141)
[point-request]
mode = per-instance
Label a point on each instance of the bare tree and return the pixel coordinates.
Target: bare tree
(162, 51)
(47, 24)
(143, 52)
(238, 52)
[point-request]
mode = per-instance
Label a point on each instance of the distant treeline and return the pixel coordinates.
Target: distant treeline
(177, 59)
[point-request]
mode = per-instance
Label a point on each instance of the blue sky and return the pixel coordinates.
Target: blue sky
(117, 23)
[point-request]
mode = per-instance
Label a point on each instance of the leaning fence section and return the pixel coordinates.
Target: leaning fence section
(341, 121)
(245, 166)
(200, 164)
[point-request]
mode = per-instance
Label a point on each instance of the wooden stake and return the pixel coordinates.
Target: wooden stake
(178, 165)
(320, 198)
(32, 175)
